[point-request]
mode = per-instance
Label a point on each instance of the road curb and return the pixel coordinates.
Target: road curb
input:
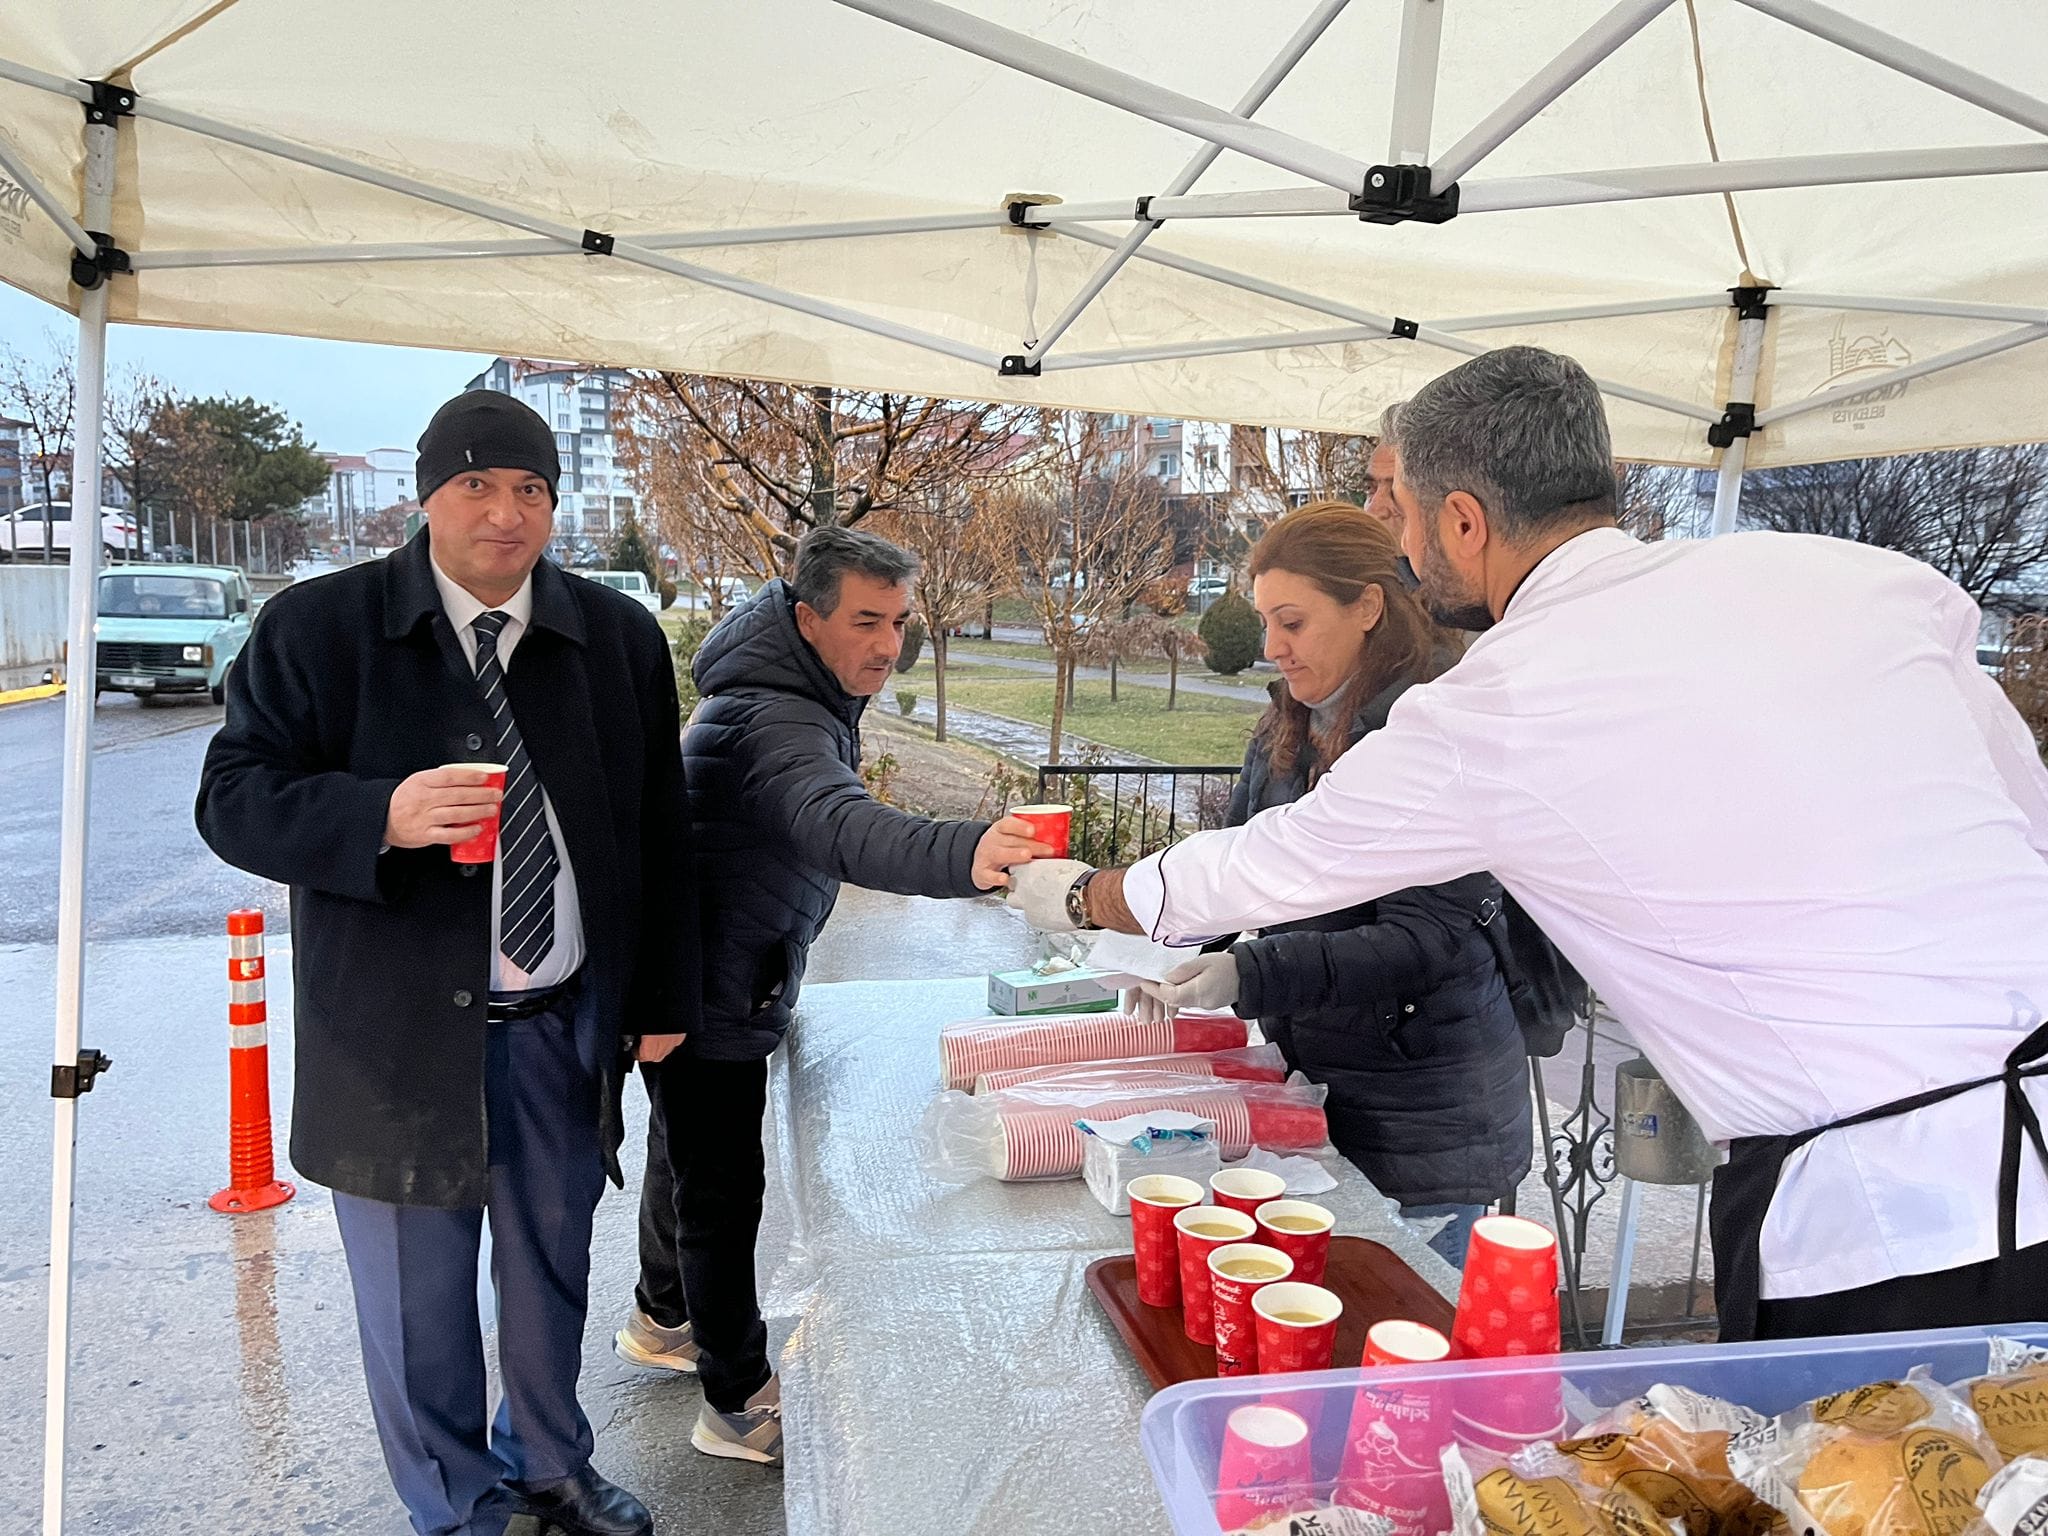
(25, 695)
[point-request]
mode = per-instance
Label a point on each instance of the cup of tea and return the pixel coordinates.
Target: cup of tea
(1236, 1273)
(1301, 1230)
(1050, 824)
(482, 848)
(1200, 1230)
(1246, 1189)
(1296, 1326)
(1265, 1468)
(1156, 1199)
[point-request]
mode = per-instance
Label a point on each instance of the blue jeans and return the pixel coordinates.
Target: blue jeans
(1449, 1244)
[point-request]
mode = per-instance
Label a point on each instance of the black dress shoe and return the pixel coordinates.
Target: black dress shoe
(586, 1505)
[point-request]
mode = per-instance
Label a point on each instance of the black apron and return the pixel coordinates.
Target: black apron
(1744, 1185)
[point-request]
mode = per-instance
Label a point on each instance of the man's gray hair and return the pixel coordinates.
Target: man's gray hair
(1521, 429)
(826, 554)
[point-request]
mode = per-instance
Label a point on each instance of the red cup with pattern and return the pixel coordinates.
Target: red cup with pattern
(1507, 1300)
(1200, 1230)
(1300, 1229)
(1246, 1189)
(1297, 1326)
(1049, 824)
(1391, 1465)
(483, 848)
(1237, 1272)
(1265, 1470)
(1156, 1199)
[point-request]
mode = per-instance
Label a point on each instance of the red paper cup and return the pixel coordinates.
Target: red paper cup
(1392, 1451)
(1050, 824)
(1507, 1301)
(1207, 1032)
(1396, 1341)
(1246, 1189)
(1288, 1127)
(1156, 1199)
(483, 848)
(1265, 1468)
(1197, 1307)
(1308, 1246)
(1237, 1348)
(1296, 1326)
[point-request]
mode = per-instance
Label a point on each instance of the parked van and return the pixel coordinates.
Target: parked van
(633, 583)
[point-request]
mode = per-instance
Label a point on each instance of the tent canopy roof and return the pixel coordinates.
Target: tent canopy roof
(697, 137)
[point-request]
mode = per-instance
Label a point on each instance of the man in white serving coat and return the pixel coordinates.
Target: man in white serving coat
(1758, 789)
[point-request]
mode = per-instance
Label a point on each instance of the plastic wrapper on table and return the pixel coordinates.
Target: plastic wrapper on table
(1252, 1064)
(1029, 1132)
(975, 1046)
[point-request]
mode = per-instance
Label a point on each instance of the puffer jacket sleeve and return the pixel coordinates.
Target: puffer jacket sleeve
(799, 789)
(1413, 942)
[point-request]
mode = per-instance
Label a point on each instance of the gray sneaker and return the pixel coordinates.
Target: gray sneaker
(643, 1341)
(752, 1434)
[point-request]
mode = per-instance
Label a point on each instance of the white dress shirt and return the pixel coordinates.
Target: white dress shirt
(1759, 790)
(566, 954)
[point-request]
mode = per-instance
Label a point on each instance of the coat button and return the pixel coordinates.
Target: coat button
(463, 998)
(1407, 1007)
(469, 871)
(473, 742)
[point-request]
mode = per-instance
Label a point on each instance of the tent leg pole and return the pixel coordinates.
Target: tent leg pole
(1749, 356)
(81, 671)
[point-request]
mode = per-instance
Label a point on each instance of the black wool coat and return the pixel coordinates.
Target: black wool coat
(779, 817)
(349, 684)
(1399, 1006)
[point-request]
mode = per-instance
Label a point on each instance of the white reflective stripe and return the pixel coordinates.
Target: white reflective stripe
(240, 992)
(243, 1037)
(245, 946)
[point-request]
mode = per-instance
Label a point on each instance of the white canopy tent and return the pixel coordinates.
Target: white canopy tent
(1778, 232)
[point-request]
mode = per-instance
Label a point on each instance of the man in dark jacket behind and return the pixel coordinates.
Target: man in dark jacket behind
(780, 817)
(462, 1028)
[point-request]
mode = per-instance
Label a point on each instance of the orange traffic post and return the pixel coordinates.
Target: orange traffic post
(253, 1184)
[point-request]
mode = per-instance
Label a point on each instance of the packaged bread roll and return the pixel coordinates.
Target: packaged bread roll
(1669, 1450)
(2012, 1398)
(1891, 1458)
(2015, 1502)
(1537, 1493)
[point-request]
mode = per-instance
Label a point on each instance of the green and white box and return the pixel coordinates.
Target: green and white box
(1019, 992)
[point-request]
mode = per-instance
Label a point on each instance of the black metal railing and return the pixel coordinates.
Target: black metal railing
(1124, 811)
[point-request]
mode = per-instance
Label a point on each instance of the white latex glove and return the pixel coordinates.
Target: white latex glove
(1143, 1006)
(1039, 891)
(1207, 981)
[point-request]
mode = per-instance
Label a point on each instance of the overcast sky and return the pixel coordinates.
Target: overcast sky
(349, 397)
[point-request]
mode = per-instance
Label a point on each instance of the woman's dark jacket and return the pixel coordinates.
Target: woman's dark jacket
(1399, 1006)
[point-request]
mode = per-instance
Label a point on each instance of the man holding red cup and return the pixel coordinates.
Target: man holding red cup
(465, 1013)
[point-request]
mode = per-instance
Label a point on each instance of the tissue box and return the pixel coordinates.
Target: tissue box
(1020, 992)
(1108, 1168)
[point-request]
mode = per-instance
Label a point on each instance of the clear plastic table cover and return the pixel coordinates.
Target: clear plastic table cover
(949, 1371)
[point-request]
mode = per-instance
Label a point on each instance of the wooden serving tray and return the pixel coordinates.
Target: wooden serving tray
(1371, 1281)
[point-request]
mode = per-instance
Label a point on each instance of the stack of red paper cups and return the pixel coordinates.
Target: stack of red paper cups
(1398, 1431)
(1507, 1309)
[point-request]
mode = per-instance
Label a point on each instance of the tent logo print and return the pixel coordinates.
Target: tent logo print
(13, 205)
(1853, 355)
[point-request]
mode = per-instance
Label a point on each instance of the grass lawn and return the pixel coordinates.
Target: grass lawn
(1200, 729)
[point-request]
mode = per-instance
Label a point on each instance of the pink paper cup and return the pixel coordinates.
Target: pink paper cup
(1391, 1464)
(1050, 824)
(1296, 1326)
(1507, 1300)
(1237, 1346)
(1265, 1468)
(1309, 1245)
(1197, 1306)
(483, 848)
(1246, 1189)
(1156, 1199)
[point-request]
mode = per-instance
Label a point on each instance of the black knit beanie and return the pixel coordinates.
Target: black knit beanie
(482, 429)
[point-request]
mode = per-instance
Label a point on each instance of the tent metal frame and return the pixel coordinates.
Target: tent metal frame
(1411, 185)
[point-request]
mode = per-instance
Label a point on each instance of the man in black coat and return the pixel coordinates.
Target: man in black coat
(779, 816)
(463, 1027)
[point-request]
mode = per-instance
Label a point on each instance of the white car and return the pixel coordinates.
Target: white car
(633, 583)
(21, 532)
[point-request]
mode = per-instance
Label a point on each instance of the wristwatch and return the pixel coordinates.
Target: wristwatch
(1077, 901)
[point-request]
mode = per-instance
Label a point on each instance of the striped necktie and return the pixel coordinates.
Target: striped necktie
(526, 850)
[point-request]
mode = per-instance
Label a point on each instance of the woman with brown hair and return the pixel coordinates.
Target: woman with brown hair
(1398, 1005)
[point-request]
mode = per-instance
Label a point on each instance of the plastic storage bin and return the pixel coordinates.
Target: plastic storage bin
(1183, 1426)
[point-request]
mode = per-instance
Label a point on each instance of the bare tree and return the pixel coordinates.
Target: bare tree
(757, 465)
(2023, 673)
(1087, 535)
(134, 448)
(1979, 515)
(1162, 635)
(954, 541)
(192, 468)
(1654, 501)
(41, 393)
